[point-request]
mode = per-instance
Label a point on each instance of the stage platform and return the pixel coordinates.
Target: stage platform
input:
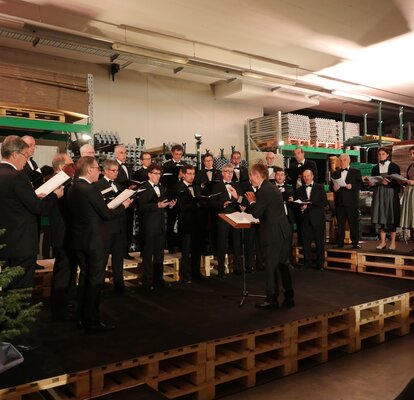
(191, 340)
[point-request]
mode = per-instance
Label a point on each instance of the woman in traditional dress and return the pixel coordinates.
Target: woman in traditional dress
(385, 213)
(407, 210)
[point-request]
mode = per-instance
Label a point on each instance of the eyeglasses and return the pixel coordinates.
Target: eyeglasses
(24, 155)
(147, 159)
(114, 170)
(95, 167)
(155, 173)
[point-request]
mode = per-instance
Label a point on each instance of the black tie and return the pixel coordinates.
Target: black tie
(190, 186)
(280, 186)
(309, 186)
(344, 169)
(383, 162)
(111, 182)
(227, 183)
(300, 164)
(236, 168)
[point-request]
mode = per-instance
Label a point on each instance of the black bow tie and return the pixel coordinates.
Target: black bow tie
(158, 185)
(344, 169)
(300, 164)
(208, 169)
(227, 183)
(236, 168)
(383, 162)
(189, 186)
(309, 186)
(111, 182)
(280, 186)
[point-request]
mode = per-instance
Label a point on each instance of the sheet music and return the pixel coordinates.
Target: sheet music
(340, 182)
(118, 200)
(53, 183)
(243, 218)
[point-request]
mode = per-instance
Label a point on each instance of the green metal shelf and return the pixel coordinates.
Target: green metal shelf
(37, 124)
(317, 152)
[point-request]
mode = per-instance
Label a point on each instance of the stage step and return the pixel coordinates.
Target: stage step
(339, 259)
(394, 265)
(139, 392)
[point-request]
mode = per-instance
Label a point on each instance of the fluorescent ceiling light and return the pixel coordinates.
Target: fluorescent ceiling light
(355, 96)
(267, 77)
(149, 53)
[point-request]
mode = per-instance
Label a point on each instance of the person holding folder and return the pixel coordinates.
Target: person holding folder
(267, 205)
(346, 184)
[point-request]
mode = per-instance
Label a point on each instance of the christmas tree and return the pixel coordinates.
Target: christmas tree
(16, 312)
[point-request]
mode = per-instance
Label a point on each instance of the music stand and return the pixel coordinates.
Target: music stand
(241, 225)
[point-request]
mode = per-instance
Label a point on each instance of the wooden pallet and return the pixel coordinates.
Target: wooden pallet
(74, 386)
(43, 279)
(298, 142)
(326, 145)
(394, 265)
(209, 264)
(341, 259)
(31, 114)
(374, 319)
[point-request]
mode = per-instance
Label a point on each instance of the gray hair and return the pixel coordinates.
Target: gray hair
(12, 144)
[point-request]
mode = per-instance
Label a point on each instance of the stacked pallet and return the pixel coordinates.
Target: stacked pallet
(296, 128)
(377, 318)
(264, 131)
(394, 265)
(351, 130)
(323, 130)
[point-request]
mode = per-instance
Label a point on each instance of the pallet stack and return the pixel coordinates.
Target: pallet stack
(394, 265)
(351, 130)
(296, 129)
(323, 131)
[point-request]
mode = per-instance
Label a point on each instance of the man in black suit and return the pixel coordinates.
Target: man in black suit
(287, 193)
(270, 164)
(88, 212)
(151, 205)
(297, 166)
(20, 207)
(65, 266)
(189, 224)
(141, 174)
(114, 229)
(240, 173)
(347, 200)
(294, 178)
(227, 200)
(275, 232)
(313, 219)
(206, 178)
(170, 178)
(124, 180)
(87, 150)
(31, 168)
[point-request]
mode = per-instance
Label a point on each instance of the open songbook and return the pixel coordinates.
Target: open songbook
(243, 218)
(53, 183)
(396, 177)
(124, 195)
(374, 180)
(340, 182)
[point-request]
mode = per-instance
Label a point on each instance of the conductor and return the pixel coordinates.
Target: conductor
(275, 235)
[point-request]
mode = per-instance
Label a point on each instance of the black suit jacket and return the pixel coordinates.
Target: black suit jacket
(348, 197)
(315, 212)
(169, 167)
(20, 207)
(88, 212)
(34, 174)
(118, 224)
(288, 193)
(293, 172)
(217, 202)
(152, 218)
(122, 178)
(141, 174)
(244, 175)
(274, 224)
(201, 179)
(188, 208)
(59, 217)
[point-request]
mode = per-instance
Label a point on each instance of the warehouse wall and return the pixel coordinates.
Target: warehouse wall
(158, 109)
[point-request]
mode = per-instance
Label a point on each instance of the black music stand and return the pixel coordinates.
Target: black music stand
(241, 225)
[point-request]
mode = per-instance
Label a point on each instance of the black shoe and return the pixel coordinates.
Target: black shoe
(39, 267)
(98, 328)
(288, 303)
(356, 246)
(267, 305)
(128, 257)
(338, 246)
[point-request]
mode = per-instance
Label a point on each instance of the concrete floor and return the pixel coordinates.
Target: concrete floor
(378, 373)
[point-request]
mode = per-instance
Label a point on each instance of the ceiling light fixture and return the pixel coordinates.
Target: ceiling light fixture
(125, 48)
(355, 96)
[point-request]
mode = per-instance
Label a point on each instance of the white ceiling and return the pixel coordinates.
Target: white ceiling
(315, 45)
